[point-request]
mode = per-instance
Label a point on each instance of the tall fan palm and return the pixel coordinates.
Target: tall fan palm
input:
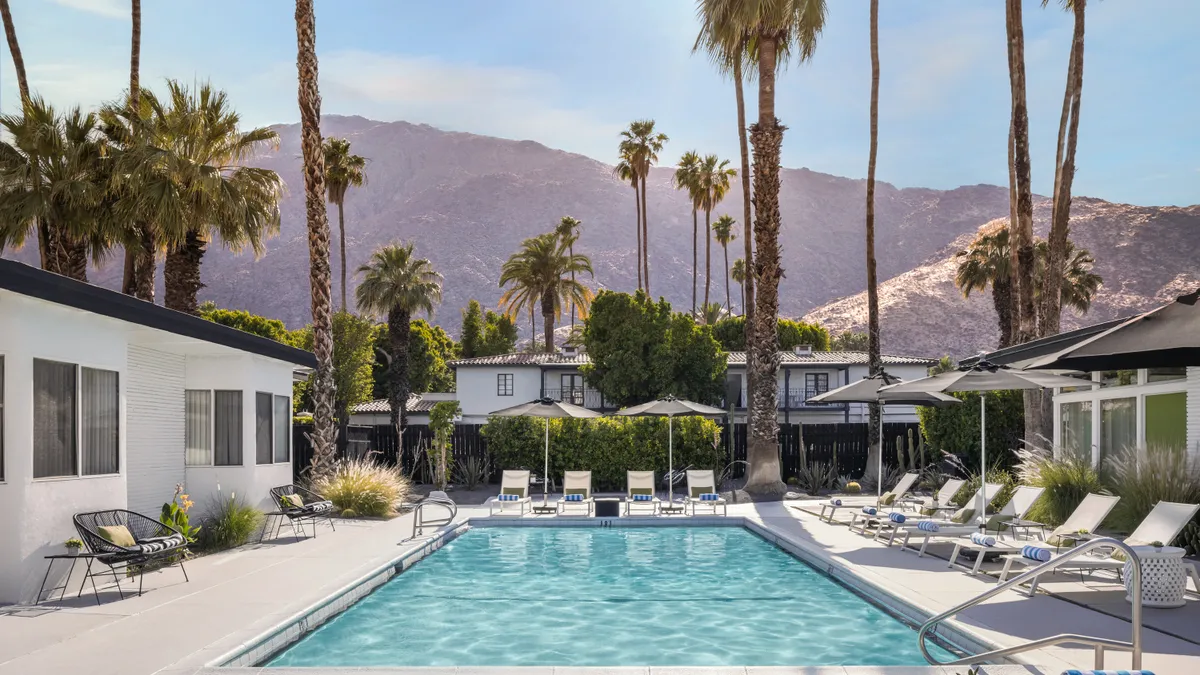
(710, 313)
(772, 32)
(625, 172)
(343, 171)
(568, 230)
(1022, 253)
(541, 272)
(724, 231)
(738, 273)
(396, 285)
(685, 179)
(713, 178)
(985, 262)
(874, 354)
(133, 254)
(324, 436)
(14, 48)
(642, 144)
(1079, 282)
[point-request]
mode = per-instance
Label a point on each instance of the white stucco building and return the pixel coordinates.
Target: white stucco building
(107, 402)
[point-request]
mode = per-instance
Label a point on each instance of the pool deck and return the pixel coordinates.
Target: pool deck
(179, 628)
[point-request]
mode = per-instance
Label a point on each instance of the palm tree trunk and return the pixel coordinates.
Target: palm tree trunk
(728, 301)
(747, 219)
(874, 360)
(762, 453)
(342, 232)
(695, 264)
(742, 291)
(75, 261)
(1022, 235)
(10, 32)
(1002, 301)
(145, 264)
(637, 229)
(181, 273)
(571, 252)
(324, 435)
(1013, 282)
(548, 321)
(533, 327)
(645, 236)
(707, 256)
(135, 54)
(399, 324)
(1064, 175)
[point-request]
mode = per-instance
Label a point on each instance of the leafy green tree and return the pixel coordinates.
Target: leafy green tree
(944, 365)
(499, 336)
(429, 348)
(353, 357)
(471, 335)
(272, 329)
(441, 422)
(849, 341)
(730, 332)
(955, 430)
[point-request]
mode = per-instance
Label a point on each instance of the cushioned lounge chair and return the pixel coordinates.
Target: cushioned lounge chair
(1021, 501)
(299, 505)
(123, 539)
(639, 494)
(889, 521)
(514, 492)
(944, 495)
(577, 492)
(702, 492)
(892, 497)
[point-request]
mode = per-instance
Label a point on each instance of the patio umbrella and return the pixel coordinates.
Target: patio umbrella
(872, 389)
(1161, 338)
(983, 377)
(669, 407)
(547, 408)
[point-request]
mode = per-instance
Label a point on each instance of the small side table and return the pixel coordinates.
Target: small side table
(608, 507)
(1164, 579)
(72, 557)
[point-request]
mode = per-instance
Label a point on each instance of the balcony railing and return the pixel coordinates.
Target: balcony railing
(797, 399)
(580, 396)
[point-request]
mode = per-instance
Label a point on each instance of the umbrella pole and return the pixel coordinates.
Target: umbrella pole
(879, 476)
(982, 513)
(546, 475)
(670, 460)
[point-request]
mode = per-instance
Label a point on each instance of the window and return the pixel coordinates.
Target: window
(1, 418)
(1076, 424)
(815, 383)
(1166, 420)
(198, 427)
(572, 388)
(227, 445)
(263, 448)
(283, 428)
(1118, 426)
(1118, 378)
(504, 384)
(1166, 374)
(75, 409)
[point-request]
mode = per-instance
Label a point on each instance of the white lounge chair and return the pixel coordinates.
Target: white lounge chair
(943, 496)
(576, 483)
(895, 496)
(1164, 522)
(640, 484)
(701, 484)
(1020, 502)
(962, 521)
(514, 492)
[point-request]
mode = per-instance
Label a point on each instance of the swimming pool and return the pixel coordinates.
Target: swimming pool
(573, 596)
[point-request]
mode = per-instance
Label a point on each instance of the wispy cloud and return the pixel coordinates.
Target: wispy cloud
(115, 9)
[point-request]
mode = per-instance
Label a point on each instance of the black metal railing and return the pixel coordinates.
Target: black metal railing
(580, 396)
(797, 399)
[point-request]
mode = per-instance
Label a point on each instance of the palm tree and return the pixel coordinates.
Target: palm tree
(739, 275)
(710, 313)
(324, 435)
(713, 178)
(624, 171)
(10, 32)
(397, 284)
(723, 229)
(1079, 281)
(642, 145)
(685, 179)
(129, 285)
(1064, 174)
(874, 358)
(541, 272)
(987, 261)
(1022, 227)
(568, 231)
(342, 171)
(772, 31)
(206, 190)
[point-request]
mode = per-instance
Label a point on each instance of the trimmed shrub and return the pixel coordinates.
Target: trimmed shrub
(1144, 478)
(365, 487)
(1008, 485)
(229, 524)
(1067, 476)
(608, 447)
(955, 430)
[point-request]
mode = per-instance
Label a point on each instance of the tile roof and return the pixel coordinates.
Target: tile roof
(380, 405)
(734, 358)
(525, 359)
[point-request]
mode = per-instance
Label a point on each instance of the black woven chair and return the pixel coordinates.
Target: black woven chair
(154, 542)
(315, 507)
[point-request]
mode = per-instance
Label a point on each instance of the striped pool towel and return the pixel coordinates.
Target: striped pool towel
(982, 539)
(835, 502)
(1036, 553)
(869, 510)
(897, 518)
(573, 498)
(1107, 672)
(928, 526)
(643, 498)
(710, 497)
(508, 498)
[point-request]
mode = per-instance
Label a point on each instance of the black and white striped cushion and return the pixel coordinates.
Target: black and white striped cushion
(318, 507)
(156, 544)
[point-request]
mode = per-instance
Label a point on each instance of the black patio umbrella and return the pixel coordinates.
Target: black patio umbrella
(1166, 337)
(669, 407)
(546, 408)
(873, 389)
(982, 377)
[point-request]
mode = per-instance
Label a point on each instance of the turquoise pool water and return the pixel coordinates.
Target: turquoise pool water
(679, 596)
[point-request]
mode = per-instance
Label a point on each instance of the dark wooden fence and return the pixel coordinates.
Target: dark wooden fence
(814, 443)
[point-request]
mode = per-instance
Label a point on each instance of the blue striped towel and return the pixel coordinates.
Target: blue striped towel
(869, 510)
(982, 539)
(896, 517)
(928, 526)
(643, 498)
(508, 498)
(573, 498)
(1107, 672)
(1036, 553)
(710, 497)
(835, 502)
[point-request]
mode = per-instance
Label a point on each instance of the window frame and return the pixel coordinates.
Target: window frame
(505, 384)
(78, 420)
(3, 375)
(258, 395)
(287, 437)
(816, 388)
(241, 426)
(212, 428)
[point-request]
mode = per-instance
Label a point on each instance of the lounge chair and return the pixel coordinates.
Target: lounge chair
(964, 519)
(1164, 522)
(1086, 517)
(514, 492)
(297, 505)
(702, 491)
(894, 496)
(1020, 503)
(124, 540)
(577, 492)
(639, 486)
(944, 495)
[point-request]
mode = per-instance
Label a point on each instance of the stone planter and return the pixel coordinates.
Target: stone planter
(1164, 579)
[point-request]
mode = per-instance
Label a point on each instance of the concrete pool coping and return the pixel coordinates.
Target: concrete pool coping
(247, 656)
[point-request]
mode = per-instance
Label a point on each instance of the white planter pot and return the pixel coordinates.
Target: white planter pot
(1164, 579)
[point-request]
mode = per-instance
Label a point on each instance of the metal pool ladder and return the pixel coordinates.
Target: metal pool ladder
(1100, 644)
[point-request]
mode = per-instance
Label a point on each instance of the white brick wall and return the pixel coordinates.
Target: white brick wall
(154, 437)
(1193, 409)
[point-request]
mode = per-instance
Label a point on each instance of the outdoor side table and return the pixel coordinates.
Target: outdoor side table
(89, 557)
(672, 507)
(1164, 579)
(608, 507)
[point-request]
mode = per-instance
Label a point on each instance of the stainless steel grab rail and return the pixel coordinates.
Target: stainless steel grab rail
(1134, 645)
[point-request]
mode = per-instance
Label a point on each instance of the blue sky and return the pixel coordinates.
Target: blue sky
(572, 74)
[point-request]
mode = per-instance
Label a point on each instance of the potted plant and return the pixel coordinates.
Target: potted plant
(74, 546)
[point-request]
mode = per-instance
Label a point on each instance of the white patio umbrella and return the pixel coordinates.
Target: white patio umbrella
(546, 408)
(669, 407)
(873, 389)
(983, 377)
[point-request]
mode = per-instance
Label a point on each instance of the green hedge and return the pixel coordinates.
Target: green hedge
(608, 447)
(956, 429)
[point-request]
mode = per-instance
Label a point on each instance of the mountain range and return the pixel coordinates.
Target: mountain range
(467, 201)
